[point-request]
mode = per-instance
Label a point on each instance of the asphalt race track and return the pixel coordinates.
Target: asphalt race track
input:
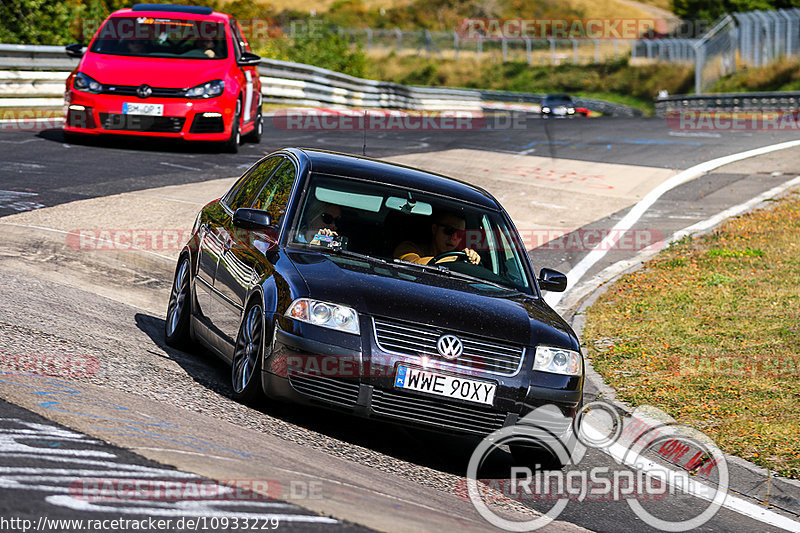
(395, 479)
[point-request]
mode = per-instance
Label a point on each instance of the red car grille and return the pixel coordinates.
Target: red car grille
(118, 122)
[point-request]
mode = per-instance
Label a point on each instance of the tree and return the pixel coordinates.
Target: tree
(35, 22)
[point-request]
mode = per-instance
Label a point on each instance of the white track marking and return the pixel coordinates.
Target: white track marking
(627, 222)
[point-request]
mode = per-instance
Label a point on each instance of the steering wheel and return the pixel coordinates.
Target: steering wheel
(459, 255)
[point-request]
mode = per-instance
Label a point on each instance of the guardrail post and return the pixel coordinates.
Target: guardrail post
(699, 57)
(369, 39)
(455, 44)
(528, 52)
(552, 51)
(504, 42)
(399, 35)
(574, 51)
(480, 46)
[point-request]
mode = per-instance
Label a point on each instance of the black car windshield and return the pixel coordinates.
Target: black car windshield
(158, 37)
(558, 100)
(409, 228)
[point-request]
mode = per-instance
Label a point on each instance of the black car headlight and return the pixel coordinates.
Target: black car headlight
(558, 361)
(209, 89)
(325, 314)
(85, 83)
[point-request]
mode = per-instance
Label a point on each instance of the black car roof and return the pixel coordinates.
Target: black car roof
(394, 174)
(196, 10)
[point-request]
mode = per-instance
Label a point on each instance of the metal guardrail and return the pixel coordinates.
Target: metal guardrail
(763, 101)
(601, 106)
(32, 76)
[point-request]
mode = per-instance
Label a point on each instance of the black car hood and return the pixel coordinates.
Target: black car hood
(415, 295)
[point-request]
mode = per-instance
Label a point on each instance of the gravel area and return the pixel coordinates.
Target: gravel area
(42, 317)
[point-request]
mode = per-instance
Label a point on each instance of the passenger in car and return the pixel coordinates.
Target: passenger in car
(445, 237)
(321, 219)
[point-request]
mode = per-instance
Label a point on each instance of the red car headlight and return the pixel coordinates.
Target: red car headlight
(209, 89)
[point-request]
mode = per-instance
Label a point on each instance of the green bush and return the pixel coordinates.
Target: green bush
(321, 46)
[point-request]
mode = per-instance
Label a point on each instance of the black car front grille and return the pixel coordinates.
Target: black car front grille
(158, 92)
(326, 389)
(118, 122)
(478, 354)
(457, 417)
(202, 124)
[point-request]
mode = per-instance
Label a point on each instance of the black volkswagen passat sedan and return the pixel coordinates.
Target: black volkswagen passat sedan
(294, 278)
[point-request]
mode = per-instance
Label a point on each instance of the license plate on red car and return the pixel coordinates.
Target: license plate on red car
(136, 108)
(445, 385)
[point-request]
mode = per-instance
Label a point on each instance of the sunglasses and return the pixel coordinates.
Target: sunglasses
(449, 230)
(327, 218)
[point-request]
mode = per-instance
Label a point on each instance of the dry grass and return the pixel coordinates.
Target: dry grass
(710, 332)
(608, 9)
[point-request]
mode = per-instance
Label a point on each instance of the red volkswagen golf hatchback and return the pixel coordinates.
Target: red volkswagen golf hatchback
(166, 71)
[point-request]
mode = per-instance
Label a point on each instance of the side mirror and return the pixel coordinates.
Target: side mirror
(256, 219)
(552, 280)
(74, 50)
(248, 59)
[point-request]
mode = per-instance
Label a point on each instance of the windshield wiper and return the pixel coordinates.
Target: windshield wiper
(441, 269)
(348, 253)
(475, 278)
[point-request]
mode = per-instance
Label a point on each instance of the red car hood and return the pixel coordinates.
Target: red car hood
(156, 72)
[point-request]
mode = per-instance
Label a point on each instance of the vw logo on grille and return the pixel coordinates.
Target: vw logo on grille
(449, 346)
(144, 91)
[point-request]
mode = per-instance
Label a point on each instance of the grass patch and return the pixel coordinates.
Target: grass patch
(783, 75)
(709, 331)
(616, 81)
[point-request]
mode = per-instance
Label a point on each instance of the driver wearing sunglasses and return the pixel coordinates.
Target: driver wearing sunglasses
(323, 219)
(447, 232)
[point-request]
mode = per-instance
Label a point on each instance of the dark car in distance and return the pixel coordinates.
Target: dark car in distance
(329, 316)
(558, 105)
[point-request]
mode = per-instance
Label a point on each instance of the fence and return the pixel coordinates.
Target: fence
(454, 46)
(754, 39)
(33, 76)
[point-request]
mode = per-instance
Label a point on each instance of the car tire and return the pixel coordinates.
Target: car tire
(232, 144)
(176, 326)
(536, 458)
(255, 135)
(247, 355)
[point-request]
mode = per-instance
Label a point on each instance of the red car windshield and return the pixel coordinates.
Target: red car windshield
(159, 37)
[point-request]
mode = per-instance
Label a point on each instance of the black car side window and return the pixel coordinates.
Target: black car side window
(275, 195)
(243, 193)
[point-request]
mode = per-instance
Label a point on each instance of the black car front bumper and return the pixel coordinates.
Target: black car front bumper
(312, 366)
